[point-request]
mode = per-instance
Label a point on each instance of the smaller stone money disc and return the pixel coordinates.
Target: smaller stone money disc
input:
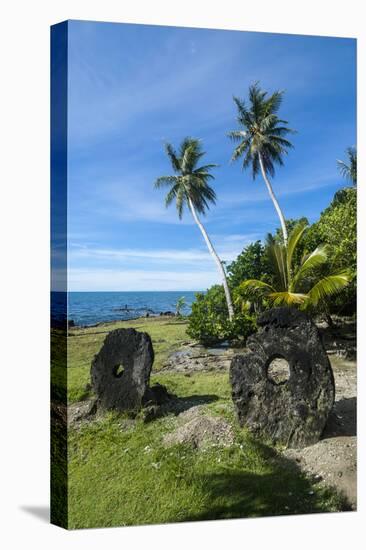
(120, 372)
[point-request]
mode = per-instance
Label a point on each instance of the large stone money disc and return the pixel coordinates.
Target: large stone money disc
(290, 408)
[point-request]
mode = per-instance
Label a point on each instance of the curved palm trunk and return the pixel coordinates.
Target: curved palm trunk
(216, 258)
(274, 200)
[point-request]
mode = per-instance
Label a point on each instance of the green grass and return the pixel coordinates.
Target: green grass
(121, 474)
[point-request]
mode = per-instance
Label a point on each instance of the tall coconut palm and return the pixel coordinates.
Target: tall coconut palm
(189, 187)
(262, 138)
(349, 169)
(296, 285)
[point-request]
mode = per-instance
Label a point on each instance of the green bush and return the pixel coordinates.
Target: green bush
(209, 322)
(337, 227)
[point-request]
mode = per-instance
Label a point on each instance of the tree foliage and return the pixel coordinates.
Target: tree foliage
(180, 305)
(337, 227)
(209, 322)
(262, 132)
(348, 168)
(297, 284)
(189, 181)
(188, 186)
(250, 264)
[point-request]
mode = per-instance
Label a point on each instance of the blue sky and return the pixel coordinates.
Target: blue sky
(134, 87)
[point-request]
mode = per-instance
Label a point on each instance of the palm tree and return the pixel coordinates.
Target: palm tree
(189, 187)
(181, 302)
(296, 285)
(349, 171)
(262, 138)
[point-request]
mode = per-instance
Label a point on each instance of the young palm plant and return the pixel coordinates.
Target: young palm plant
(181, 302)
(296, 285)
(349, 170)
(189, 187)
(262, 138)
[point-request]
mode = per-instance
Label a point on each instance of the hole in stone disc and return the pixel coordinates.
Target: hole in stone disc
(118, 371)
(278, 371)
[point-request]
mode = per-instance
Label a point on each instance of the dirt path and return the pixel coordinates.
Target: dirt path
(333, 460)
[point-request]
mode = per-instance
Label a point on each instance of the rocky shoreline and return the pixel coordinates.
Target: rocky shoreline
(149, 316)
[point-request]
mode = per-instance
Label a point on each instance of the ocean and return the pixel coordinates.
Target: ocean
(89, 308)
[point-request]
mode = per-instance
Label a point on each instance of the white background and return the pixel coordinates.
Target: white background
(24, 298)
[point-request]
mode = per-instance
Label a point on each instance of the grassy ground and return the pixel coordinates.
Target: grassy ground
(121, 474)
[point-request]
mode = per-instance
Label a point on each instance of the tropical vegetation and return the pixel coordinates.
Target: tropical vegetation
(312, 267)
(180, 305)
(296, 284)
(337, 227)
(348, 169)
(188, 186)
(262, 138)
(316, 272)
(209, 323)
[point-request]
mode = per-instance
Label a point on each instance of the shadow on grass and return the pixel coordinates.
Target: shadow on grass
(282, 490)
(177, 405)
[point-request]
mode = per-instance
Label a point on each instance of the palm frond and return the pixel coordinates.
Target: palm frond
(203, 175)
(205, 168)
(240, 149)
(257, 101)
(328, 286)
(237, 135)
(276, 254)
(287, 298)
(255, 287)
(349, 171)
(273, 103)
(255, 163)
(285, 143)
(164, 181)
(281, 130)
(293, 241)
(318, 257)
(173, 157)
(261, 131)
(241, 107)
(180, 200)
(172, 194)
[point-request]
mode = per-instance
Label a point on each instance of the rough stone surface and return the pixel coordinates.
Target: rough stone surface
(291, 412)
(120, 372)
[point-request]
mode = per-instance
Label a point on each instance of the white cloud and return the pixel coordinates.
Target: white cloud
(119, 269)
(283, 188)
(132, 200)
(119, 254)
(139, 280)
(227, 246)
